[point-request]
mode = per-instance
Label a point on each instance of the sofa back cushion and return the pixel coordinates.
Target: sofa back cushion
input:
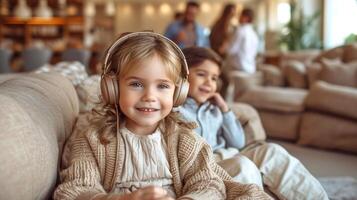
(339, 73)
(295, 73)
(37, 114)
(350, 53)
(335, 53)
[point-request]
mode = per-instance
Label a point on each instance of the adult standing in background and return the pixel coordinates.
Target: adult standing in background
(187, 32)
(222, 30)
(244, 46)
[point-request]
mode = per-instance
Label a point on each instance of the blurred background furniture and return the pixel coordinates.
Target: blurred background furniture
(309, 101)
(5, 59)
(81, 55)
(35, 57)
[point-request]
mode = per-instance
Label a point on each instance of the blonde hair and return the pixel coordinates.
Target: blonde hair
(126, 57)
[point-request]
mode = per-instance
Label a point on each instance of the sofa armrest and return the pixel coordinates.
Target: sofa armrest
(250, 121)
(239, 82)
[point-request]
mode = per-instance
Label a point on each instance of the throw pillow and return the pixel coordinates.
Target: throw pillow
(295, 74)
(339, 74)
(350, 53)
(272, 76)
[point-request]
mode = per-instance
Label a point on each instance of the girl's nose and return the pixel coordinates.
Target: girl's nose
(149, 95)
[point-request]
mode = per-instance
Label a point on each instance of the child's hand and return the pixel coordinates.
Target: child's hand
(149, 193)
(218, 100)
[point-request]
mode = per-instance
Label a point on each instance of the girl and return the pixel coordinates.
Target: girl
(272, 166)
(138, 148)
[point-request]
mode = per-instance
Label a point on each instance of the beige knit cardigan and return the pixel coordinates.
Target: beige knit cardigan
(93, 169)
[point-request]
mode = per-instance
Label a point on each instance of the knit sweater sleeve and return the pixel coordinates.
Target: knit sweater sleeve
(199, 180)
(81, 179)
(203, 178)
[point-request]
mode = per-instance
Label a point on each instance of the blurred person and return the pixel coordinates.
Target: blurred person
(222, 30)
(187, 32)
(243, 47)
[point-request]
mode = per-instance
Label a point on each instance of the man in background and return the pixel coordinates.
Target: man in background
(186, 32)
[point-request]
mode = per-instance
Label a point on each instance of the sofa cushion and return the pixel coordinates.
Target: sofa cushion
(328, 131)
(278, 125)
(272, 76)
(331, 54)
(88, 93)
(329, 98)
(37, 114)
(295, 74)
(350, 53)
(313, 71)
(339, 74)
(275, 99)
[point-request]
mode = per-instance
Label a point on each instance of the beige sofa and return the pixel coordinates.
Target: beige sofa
(312, 102)
(38, 113)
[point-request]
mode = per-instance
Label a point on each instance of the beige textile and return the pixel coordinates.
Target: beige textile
(313, 72)
(328, 132)
(146, 163)
(250, 121)
(333, 99)
(275, 99)
(350, 53)
(295, 73)
(283, 174)
(37, 114)
(279, 125)
(339, 74)
(272, 76)
(195, 174)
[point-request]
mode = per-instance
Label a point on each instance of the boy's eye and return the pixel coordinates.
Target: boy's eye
(201, 74)
(135, 84)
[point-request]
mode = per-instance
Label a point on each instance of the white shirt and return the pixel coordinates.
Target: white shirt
(243, 49)
(145, 163)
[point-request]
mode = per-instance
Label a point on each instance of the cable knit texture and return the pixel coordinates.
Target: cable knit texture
(92, 169)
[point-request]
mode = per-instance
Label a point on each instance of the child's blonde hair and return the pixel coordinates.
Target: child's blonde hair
(127, 57)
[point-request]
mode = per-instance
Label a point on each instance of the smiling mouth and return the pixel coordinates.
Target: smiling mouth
(147, 109)
(204, 90)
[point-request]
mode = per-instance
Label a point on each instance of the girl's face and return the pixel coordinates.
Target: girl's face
(203, 81)
(146, 95)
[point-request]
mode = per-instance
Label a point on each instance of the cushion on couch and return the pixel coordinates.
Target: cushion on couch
(333, 99)
(284, 126)
(275, 99)
(37, 114)
(350, 53)
(328, 132)
(335, 53)
(339, 74)
(272, 76)
(295, 73)
(313, 71)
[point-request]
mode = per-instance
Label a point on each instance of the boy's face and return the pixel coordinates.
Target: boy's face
(203, 81)
(146, 95)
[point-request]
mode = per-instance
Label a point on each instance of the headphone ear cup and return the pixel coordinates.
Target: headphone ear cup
(181, 93)
(110, 89)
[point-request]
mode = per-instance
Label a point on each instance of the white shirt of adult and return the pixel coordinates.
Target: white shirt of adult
(243, 49)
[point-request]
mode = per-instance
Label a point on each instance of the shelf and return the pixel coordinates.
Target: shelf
(54, 28)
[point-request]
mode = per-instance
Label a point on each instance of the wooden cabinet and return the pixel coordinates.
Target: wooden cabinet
(54, 32)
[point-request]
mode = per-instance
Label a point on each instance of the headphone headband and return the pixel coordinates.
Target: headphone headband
(122, 39)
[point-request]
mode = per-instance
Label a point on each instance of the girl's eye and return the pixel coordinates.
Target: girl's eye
(163, 86)
(214, 79)
(135, 84)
